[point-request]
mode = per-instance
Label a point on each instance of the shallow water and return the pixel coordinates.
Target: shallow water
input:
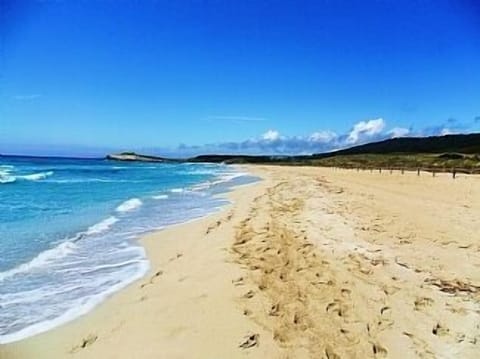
(68, 230)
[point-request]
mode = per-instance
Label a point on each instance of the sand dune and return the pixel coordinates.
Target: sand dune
(309, 263)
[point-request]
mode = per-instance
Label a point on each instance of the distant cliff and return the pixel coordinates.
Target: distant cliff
(132, 156)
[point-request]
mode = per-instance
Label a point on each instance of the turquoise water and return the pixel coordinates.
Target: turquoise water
(68, 230)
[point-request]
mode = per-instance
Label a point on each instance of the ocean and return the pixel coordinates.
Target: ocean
(69, 230)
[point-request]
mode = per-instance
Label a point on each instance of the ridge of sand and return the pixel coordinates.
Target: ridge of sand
(309, 263)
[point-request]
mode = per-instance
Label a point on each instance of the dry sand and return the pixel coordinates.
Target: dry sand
(309, 263)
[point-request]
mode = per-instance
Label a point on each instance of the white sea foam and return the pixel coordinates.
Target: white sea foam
(226, 177)
(83, 306)
(102, 226)
(223, 178)
(177, 190)
(32, 296)
(202, 186)
(36, 176)
(88, 180)
(110, 266)
(42, 259)
(129, 205)
(160, 196)
(5, 174)
(7, 179)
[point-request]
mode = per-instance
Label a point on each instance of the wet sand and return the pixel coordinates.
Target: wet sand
(308, 263)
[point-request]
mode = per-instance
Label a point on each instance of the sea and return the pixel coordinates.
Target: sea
(69, 230)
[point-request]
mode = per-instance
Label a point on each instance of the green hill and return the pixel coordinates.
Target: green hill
(436, 152)
(466, 144)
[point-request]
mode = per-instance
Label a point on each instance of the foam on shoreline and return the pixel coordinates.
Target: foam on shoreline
(96, 262)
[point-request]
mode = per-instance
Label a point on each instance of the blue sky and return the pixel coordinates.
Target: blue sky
(183, 77)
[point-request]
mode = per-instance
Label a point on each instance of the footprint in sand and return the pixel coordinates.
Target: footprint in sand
(385, 310)
(152, 278)
(249, 294)
(346, 292)
(423, 302)
(89, 340)
(336, 307)
(440, 330)
(365, 270)
(379, 351)
(377, 261)
(250, 340)
(274, 310)
(389, 290)
(179, 255)
(238, 281)
(330, 354)
(297, 318)
(209, 229)
(247, 312)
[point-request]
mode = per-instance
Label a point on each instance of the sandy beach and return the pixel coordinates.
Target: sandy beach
(308, 263)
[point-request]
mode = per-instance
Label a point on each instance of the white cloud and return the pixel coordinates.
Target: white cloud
(365, 129)
(448, 131)
(271, 135)
(272, 142)
(398, 132)
(322, 136)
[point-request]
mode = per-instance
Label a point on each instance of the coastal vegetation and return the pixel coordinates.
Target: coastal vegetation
(440, 153)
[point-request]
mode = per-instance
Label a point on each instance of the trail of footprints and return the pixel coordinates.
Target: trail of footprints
(305, 308)
(306, 304)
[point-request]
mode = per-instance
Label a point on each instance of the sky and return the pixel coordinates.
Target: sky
(275, 77)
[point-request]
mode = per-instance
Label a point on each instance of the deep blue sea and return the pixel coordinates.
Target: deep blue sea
(69, 230)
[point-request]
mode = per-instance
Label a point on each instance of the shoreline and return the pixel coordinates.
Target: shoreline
(51, 342)
(308, 262)
(73, 313)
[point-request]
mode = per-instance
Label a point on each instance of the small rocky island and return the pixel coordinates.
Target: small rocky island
(134, 157)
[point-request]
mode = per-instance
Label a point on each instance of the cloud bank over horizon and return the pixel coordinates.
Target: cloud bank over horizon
(272, 142)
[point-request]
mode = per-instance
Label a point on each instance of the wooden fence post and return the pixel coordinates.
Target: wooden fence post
(403, 170)
(454, 173)
(418, 171)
